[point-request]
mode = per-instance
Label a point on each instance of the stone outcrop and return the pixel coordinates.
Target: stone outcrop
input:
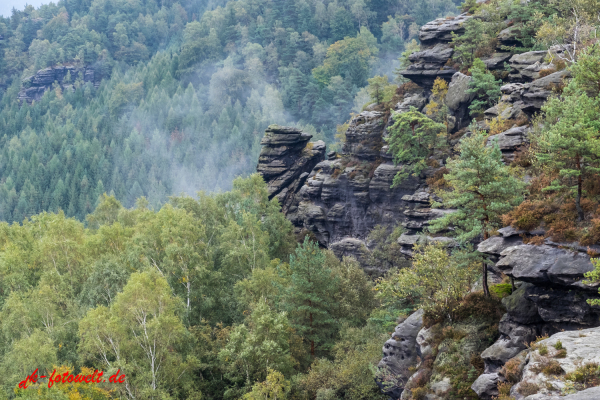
(286, 160)
(551, 297)
(341, 198)
(34, 87)
(401, 352)
(441, 29)
(457, 100)
(431, 61)
(576, 349)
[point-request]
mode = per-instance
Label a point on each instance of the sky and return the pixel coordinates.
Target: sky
(7, 5)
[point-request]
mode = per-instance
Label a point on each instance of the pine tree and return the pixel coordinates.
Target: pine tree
(569, 144)
(484, 86)
(412, 139)
(481, 190)
(309, 298)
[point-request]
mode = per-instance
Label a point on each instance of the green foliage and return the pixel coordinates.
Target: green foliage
(413, 138)
(568, 146)
(274, 387)
(309, 299)
(385, 251)
(80, 295)
(593, 277)
(482, 188)
(380, 90)
(485, 87)
(350, 58)
(349, 375)
(260, 344)
(436, 281)
(501, 290)
(586, 71)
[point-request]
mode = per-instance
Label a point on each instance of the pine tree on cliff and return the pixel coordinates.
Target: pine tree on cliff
(481, 190)
(568, 146)
(413, 138)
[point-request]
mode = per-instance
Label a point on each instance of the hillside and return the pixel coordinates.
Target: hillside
(485, 162)
(449, 224)
(158, 99)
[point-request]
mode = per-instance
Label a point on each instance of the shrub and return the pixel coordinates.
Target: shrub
(485, 87)
(504, 390)
(512, 370)
(562, 353)
(502, 289)
(542, 349)
(587, 374)
(558, 345)
(437, 281)
(528, 388)
(552, 367)
(412, 139)
(419, 393)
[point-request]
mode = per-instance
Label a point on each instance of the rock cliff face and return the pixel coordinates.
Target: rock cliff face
(34, 87)
(551, 298)
(430, 62)
(286, 160)
(342, 198)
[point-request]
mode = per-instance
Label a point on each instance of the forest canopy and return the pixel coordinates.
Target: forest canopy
(187, 89)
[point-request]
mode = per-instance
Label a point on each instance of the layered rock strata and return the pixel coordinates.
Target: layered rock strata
(431, 62)
(285, 161)
(34, 87)
(552, 297)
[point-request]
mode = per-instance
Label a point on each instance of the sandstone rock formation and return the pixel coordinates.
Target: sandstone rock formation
(430, 62)
(34, 87)
(342, 198)
(551, 298)
(567, 352)
(286, 160)
(401, 352)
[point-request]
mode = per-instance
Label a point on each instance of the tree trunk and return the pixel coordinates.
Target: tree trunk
(484, 279)
(486, 290)
(580, 215)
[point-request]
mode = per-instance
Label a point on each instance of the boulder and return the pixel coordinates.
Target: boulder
(425, 339)
(440, 30)
(429, 64)
(496, 61)
(537, 92)
(457, 95)
(582, 347)
(416, 100)
(400, 352)
(519, 62)
(458, 100)
(546, 265)
(486, 386)
(496, 244)
(509, 36)
(510, 140)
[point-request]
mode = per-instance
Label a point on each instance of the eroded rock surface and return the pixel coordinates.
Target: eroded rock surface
(551, 298)
(578, 348)
(400, 353)
(286, 160)
(431, 61)
(34, 87)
